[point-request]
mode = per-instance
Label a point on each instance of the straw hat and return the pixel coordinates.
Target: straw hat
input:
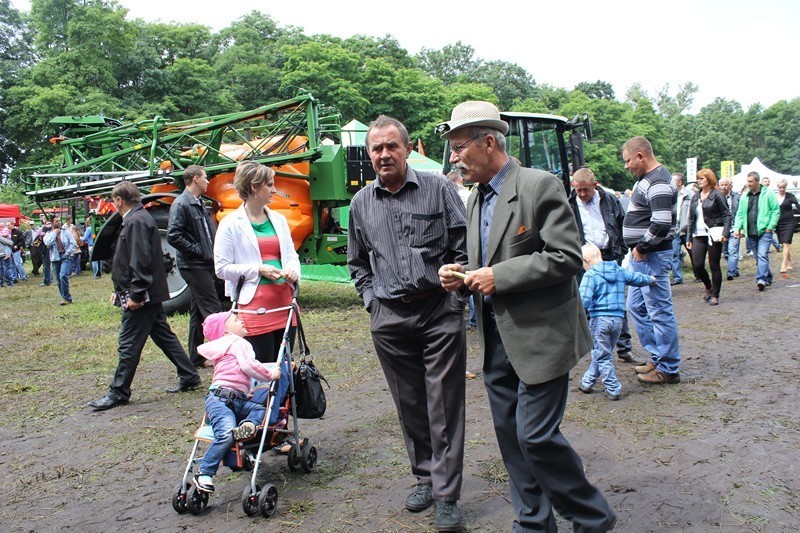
(474, 113)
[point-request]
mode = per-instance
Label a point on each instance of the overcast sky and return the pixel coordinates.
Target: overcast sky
(740, 50)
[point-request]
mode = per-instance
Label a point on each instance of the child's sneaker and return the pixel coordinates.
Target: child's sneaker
(204, 483)
(246, 430)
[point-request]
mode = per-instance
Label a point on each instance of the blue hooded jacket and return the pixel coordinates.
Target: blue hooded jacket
(603, 288)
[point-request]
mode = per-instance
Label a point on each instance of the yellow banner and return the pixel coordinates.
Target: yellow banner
(726, 170)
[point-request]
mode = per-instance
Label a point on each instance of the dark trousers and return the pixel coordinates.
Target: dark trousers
(147, 321)
(544, 471)
(268, 345)
(423, 351)
(46, 272)
(202, 285)
(701, 248)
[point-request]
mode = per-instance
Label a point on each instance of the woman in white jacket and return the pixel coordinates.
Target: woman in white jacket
(255, 242)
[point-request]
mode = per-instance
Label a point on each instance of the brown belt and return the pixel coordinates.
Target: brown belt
(421, 295)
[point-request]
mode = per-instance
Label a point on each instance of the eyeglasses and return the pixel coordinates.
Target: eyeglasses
(457, 149)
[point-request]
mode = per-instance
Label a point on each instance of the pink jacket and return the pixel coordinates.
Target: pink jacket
(235, 363)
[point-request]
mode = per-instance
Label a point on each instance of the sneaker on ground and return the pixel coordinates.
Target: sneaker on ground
(448, 517)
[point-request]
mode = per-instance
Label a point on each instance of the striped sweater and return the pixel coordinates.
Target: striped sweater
(651, 219)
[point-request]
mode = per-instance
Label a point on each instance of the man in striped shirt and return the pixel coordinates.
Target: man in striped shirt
(403, 227)
(648, 230)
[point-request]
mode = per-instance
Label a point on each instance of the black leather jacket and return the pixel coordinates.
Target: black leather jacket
(187, 234)
(715, 213)
(138, 266)
(613, 214)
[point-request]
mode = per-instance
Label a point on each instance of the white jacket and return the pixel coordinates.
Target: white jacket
(236, 252)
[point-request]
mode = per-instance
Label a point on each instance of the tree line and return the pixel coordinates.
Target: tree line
(85, 57)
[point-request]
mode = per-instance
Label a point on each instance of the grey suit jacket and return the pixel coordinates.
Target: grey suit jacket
(534, 252)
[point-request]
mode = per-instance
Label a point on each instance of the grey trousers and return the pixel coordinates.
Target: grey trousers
(543, 469)
(423, 351)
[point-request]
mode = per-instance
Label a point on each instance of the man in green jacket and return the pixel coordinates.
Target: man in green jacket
(756, 219)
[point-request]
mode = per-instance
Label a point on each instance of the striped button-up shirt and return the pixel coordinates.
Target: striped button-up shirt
(398, 241)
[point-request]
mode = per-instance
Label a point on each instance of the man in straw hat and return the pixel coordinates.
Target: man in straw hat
(524, 253)
(403, 227)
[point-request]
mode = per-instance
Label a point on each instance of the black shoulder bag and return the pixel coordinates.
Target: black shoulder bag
(309, 395)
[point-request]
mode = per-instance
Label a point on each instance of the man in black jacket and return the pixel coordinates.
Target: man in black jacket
(191, 233)
(140, 285)
(599, 216)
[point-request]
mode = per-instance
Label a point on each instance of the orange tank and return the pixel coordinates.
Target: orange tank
(293, 200)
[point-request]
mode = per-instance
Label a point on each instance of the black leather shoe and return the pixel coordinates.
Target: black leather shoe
(184, 387)
(628, 357)
(448, 517)
(420, 498)
(105, 403)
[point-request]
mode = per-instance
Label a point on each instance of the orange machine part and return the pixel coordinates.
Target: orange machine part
(293, 200)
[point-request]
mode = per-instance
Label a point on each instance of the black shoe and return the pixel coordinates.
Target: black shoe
(730, 277)
(420, 498)
(612, 397)
(184, 387)
(676, 282)
(628, 357)
(761, 285)
(105, 403)
(584, 389)
(448, 517)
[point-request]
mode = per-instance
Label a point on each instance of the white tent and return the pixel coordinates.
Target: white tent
(740, 179)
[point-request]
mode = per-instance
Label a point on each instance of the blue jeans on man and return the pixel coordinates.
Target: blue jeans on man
(47, 276)
(650, 309)
(677, 259)
(733, 257)
(18, 265)
(605, 332)
(62, 270)
(761, 247)
(222, 416)
(8, 272)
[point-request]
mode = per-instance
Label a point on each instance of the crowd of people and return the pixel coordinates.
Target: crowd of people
(529, 262)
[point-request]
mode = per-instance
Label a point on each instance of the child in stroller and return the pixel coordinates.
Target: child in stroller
(227, 401)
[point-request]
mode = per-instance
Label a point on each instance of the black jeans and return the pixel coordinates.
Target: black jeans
(202, 285)
(701, 248)
(147, 321)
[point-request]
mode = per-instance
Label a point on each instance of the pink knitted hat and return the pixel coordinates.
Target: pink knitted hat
(214, 325)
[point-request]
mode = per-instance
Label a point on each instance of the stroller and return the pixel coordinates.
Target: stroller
(275, 429)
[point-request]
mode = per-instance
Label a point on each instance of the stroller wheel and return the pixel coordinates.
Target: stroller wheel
(250, 500)
(294, 459)
(196, 500)
(268, 500)
(309, 459)
(179, 498)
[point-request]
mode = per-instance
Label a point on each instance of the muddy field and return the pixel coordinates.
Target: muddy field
(719, 452)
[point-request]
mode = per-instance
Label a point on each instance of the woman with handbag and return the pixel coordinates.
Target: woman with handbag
(786, 225)
(709, 228)
(255, 242)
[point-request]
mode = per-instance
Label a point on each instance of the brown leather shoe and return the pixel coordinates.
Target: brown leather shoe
(645, 368)
(659, 378)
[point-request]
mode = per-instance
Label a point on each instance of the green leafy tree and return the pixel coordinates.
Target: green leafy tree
(509, 82)
(450, 63)
(327, 70)
(596, 89)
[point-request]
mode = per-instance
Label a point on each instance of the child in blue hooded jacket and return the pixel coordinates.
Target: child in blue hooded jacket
(602, 290)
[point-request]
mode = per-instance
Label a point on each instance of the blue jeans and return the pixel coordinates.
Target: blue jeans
(677, 259)
(761, 246)
(76, 263)
(97, 268)
(222, 419)
(47, 277)
(650, 310)
(472, 322)
(8, 270)
(733, 256)
(605, 331)
(62, 271)
(18, 264)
